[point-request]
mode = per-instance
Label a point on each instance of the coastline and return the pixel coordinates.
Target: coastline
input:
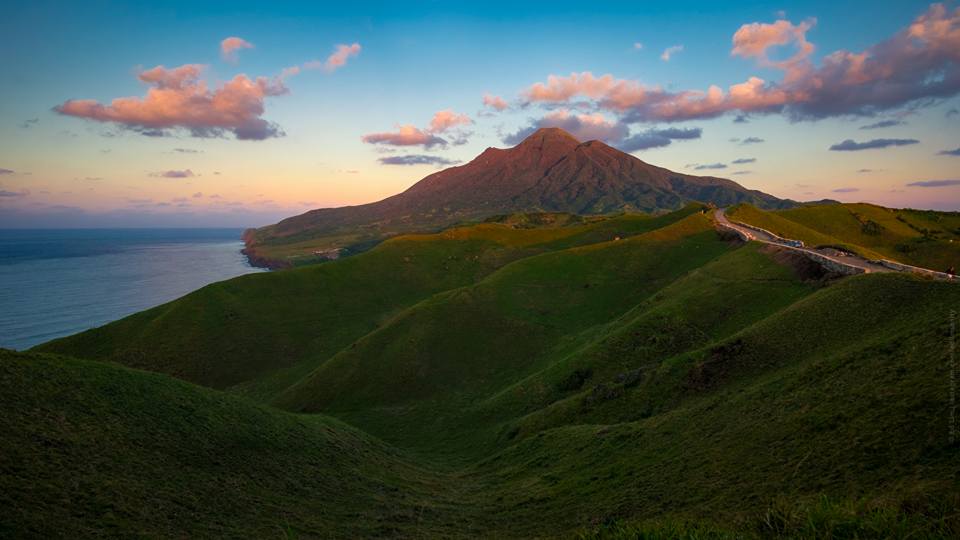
(257, 260)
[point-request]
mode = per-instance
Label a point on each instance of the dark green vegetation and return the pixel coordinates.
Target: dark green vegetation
(550, 171)
(535, 375)
(921, 238)
(93, 449)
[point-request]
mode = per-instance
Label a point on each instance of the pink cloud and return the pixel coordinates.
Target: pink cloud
(405, 136)
(180, 99)
(586, 127)
(288, 72)
(756, 39)
(408, 135)
(185, 173)
(494, 102)
(920, 62)
(336, 60)
(444, 120)
(559, 89)
(333, 62)
(670, 51)
(230, 46)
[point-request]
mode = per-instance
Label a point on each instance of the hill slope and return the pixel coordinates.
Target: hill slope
(923, 238)
(550, 171)
(94, 450)
(265, 331)
(572, 380)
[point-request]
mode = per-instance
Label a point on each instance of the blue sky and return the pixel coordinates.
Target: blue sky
(415, 59)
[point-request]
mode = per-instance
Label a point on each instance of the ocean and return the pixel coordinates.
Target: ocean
(57, 282)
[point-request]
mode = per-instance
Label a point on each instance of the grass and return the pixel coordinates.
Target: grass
(91, 449)
(298, 249)
(822, 518)
(534, 376)
(867, 420)
(261, 333)
(458, 347)
(926, 239)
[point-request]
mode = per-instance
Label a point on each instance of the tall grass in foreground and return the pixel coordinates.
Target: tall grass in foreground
(824, 517)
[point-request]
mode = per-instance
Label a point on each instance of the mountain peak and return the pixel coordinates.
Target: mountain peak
(549, 136)
(552, 132)
(545, 146)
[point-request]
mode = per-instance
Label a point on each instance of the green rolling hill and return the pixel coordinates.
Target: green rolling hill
(227, 335)
(536, 375)
(927, 239)
(96, 450)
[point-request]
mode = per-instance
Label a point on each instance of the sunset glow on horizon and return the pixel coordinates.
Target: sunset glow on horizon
(240, 116)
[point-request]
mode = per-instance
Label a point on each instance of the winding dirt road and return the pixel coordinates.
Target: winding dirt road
(849, 261)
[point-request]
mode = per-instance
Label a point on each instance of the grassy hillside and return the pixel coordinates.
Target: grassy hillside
(91, 449)
(532, 376)
(725, 296)
(854, 418)
(457, 347)
(262, 332)
(922, 238)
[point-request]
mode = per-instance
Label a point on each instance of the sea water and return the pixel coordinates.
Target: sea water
(57, 282)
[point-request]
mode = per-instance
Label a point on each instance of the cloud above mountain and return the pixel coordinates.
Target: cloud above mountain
(657, 138)
(174, 173)
(849, 145)
(935, 183)
(668, 53)
(445, 121)
(583, 126)
(920, 62)
(756, 39)
(417, 159)
(406, 135)
(884, 124)
(230, 46)
(337, 59)
(495, 102)
(595, 126)
(179, 98)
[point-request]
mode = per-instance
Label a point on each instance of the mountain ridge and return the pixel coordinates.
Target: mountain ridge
(549, 171)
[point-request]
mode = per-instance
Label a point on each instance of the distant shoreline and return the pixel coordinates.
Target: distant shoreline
(257, 260)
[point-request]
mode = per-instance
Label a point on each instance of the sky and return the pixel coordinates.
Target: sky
(185, 114)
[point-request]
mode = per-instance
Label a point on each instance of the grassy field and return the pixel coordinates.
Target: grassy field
(262, 332)
(921, 238)
(544, 376)
(93, 449)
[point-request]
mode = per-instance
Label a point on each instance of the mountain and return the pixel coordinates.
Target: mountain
(550, 171)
